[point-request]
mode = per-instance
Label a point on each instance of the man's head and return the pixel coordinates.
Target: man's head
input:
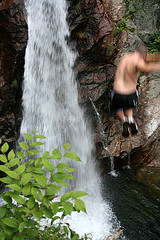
(142, 50)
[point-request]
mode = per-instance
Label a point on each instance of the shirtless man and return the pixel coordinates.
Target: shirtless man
(125, 95)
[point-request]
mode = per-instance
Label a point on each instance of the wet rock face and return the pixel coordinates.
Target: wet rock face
(147, 19)
(5, 3)
(89, 25)
(13, 39)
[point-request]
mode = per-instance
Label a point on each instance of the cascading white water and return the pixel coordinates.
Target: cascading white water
(51, 106)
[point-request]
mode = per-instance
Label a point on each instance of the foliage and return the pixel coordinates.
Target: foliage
(81, 35)
(78, 7)
(127, 3)
(131, 11)
(33, 197)
(122, 25)
(154, 44)
(111, 50)
(14, 84)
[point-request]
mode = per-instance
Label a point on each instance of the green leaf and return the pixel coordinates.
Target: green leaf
(30, 161)
(12, 174)
(52, 189)
(61, 182)
(38, 161)
(18, 237)
(7, 180)
(14, 187)
(31, 203)
(3, 211)
(6, 198)
(21, 226)
(11, 155)
(62, 166)
(14, 162)
(3, 158)
(37, 214)
(46, 202)
(4, 168)
(28, 137)
(34, 131)
(30, 168)
(68, 207)
(23, 209)
(31, 232)
(72, 155)
(36, 144)
(8, 231)
(41, 180)
(19, 199)
(70, 170)
(45, 155)
(56, 155)
(2, 234)
(10, 193)
(56, 206)
(66, 230)
(21, 155)
(37, 194)
(26, 178)
(65, 196)
(21, 168)
(32, 223)
(26, 190)
(0, 141)
(39, 136)
(4, 147)
(66, 146)
(33, 152)
(61, 176)
(10, 222)
(48, 165)
(80, 206)
(48, 213)
(39, 171)
(23, 145)
(78, 194)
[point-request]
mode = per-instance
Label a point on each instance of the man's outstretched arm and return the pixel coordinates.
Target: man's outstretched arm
(148, 67)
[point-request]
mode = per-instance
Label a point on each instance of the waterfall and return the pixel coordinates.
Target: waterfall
(50, 106)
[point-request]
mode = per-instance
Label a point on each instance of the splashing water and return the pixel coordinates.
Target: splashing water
(51, 106)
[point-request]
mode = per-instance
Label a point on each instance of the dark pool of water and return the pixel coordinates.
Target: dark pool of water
(136, 206)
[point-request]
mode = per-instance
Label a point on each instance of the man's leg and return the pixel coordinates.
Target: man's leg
(128, 113)
(133, 126)
(121, 115)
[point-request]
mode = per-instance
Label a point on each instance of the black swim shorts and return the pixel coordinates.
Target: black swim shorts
(121, 101)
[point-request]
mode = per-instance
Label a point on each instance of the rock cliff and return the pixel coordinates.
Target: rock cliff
(13, 39)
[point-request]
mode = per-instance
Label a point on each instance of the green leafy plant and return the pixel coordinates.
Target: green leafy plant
(33, 194)
(130, 11)
(122, 25)
(111, 50)
(153, 45)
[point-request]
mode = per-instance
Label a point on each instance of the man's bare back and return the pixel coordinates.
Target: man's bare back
(127, 74)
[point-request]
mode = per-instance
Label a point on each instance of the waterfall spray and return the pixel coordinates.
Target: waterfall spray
(50, 103)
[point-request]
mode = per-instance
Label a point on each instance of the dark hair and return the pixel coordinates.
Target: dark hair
(142, 49)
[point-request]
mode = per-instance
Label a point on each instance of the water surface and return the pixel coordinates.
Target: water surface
(136, 205)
